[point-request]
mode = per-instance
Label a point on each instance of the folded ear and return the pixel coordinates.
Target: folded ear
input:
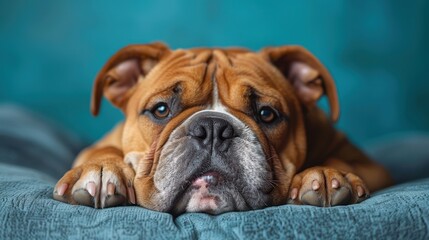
(122, 72)
(307, 75)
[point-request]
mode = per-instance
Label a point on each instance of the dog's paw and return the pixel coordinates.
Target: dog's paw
(100, 185)
(324, 187)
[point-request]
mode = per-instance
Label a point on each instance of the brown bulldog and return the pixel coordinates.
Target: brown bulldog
(217, 130)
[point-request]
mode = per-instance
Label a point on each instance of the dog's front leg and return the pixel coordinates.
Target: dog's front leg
(102, 180)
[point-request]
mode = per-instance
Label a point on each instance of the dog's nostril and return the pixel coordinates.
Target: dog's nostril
(211, 131)
(227, 132)
(199, 132)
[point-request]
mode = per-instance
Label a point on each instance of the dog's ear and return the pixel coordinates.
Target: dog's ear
(307, 75)
(123, 70)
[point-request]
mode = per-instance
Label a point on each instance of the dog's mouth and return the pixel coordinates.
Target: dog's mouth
(206, 192)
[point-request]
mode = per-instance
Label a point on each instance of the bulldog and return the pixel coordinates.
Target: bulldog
(215, 130)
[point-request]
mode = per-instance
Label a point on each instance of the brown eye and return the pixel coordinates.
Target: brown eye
(161, 110)
(267, 114)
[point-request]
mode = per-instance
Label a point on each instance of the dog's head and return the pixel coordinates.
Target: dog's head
(213, 130)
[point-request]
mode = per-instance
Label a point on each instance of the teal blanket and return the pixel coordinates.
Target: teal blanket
(27, 210)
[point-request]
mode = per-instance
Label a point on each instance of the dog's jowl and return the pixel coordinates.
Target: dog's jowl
(217, 130)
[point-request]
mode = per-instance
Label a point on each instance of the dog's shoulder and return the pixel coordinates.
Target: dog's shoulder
(322, 136)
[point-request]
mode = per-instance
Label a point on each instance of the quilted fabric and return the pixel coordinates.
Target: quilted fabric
(33, 154)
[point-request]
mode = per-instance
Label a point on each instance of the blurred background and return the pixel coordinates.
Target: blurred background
(377, 52)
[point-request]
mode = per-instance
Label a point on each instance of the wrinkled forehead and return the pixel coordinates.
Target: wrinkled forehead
(232, 73)
(231, 61)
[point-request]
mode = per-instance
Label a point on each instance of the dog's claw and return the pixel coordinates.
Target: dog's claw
(62, 189)
(335, 183)
(360, 191)
(315, 185)
(293, 193)
(91, 188)
(110, 189)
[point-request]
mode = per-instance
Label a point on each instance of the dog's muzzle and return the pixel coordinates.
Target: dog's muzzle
(212, 163)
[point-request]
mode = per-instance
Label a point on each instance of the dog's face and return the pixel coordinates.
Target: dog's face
(213, 130)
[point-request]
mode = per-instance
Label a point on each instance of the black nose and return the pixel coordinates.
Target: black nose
(212, 131)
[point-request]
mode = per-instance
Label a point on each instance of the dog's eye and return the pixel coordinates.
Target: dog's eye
(267, 114)
(161, 110)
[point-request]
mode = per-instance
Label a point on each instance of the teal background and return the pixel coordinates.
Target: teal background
(377, 51)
